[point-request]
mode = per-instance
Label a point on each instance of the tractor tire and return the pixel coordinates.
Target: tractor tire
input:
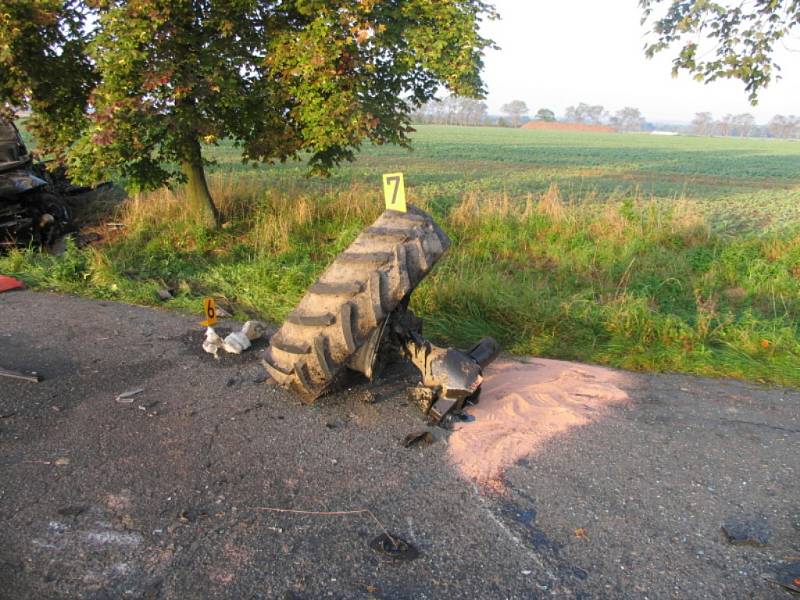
(340, 321)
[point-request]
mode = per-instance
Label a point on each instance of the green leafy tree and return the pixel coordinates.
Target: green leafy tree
(281, 78)
(545, 114)
(44, 66)
(732, 40)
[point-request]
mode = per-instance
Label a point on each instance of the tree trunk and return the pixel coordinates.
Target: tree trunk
(200, 201)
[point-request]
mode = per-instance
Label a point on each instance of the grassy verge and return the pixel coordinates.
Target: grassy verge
(634, 284)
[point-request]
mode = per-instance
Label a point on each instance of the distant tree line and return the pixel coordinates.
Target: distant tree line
(625, 119)
(744, 125)
(455, 110)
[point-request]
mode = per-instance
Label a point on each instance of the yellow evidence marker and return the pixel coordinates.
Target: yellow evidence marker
(394, 190)
(210, 310)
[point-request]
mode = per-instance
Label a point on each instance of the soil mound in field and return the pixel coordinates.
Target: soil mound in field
(556, 126)
(524, 404)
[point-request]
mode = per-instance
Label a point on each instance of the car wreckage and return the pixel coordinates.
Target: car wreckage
(356, 315)
(30, 211)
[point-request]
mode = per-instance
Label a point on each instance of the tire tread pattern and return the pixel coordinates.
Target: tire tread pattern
(351, 299)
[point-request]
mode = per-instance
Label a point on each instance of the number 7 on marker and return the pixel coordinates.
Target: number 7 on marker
(394, 190)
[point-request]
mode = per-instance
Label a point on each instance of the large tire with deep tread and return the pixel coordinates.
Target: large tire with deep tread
(338, 323)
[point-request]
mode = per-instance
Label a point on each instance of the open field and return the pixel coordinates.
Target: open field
(636, 251)
(749, 183)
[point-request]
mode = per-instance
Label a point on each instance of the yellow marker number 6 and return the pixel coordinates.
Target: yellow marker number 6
(210, 310)
(394, 190)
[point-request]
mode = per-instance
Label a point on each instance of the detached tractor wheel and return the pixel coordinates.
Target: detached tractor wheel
(340, 321)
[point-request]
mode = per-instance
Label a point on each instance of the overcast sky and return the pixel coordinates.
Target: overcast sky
(553, 54)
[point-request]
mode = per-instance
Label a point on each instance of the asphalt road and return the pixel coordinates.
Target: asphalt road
(163, 497)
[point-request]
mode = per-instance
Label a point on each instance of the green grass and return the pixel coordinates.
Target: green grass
(649, 253)
(746, 183)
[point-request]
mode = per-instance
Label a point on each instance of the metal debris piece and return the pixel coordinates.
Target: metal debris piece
(32, 378)
(127, 397)
(751, 529)
(394, 547)
(418, 438)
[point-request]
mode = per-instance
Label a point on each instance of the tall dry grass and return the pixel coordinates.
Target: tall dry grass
(634, 283)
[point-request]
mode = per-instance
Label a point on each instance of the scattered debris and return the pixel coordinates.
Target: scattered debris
(164, 294)
(222, 313)
(127, 397)
(421, 396)
(258, 375)
(9, 283)
(72, 511)
(212, 342)
(394, 547)
(191, 515)
(254, 330)
(32, 378)
(236, 343)
(751, 529)
(386, 543)
(418, 438)
(788, 576)
(146, 408)
(367, 397)
(61, 461)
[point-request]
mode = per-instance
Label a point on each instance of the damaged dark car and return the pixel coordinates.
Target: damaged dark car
(30, 213)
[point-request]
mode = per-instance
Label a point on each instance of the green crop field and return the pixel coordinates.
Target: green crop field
(638, 251)
(753, 183)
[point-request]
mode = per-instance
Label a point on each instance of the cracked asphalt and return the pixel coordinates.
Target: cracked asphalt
(165, 496)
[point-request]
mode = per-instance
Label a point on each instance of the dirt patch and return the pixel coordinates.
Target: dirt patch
(556, 126)
(524, 404)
